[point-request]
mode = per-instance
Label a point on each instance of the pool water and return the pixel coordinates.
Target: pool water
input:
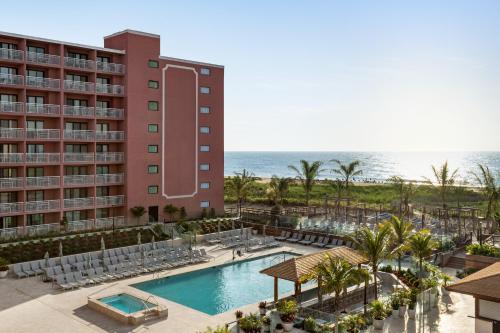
(219, 289)
(126, 303)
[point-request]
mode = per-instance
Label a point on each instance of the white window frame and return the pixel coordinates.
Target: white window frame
(205, 204)
(205, 90)
(205, 71)
(204, 167)
(205, 148)
(204, 185)
(205, 110)
(205, 129)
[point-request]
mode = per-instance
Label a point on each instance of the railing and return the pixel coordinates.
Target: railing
(78, 135)
(79, 202)
(47, 181)
(45, 134)
(42, 58)
(78, 85)
(11, 107)
(11, 158)
(43, 158)
(109, 113)
(46, 109)
(85, 111)
(41, 206)
(112, 89)
(11, 79)
(43, 82)
(11, 54)
(11, 133)
(114, 200)
(109, 135)
(108, 222)
(109, 157)
(14, 182)
(80, 225)
(32, 230)
(110, 67)
(11, 207)
(79, 180)
(78, 63)
(78, 157)
(114, 178)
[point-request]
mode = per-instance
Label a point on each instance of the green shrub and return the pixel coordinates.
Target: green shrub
(287, 310)
(310, 325)
(482, 250)
(250, 323)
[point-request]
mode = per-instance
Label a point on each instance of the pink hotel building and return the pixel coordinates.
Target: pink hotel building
(88, 132)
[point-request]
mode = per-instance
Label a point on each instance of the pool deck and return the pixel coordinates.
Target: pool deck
(28, 305)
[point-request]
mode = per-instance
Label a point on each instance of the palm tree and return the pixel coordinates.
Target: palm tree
(347, 171)
(338, 188)
(138, 212)
(240, 185)
(307, 175)
(398, 183)
(444, 179)
(334, 275)
(400, 232)
(170, 210)
(408, 192)
(278, 189)
(374, 246)
(490, 190)
(421, 245)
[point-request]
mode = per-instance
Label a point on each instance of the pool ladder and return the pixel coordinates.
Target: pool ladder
(152, 300)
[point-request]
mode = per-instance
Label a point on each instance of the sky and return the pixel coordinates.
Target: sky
(319, 75)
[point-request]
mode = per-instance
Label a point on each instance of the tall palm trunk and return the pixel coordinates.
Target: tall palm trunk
(375, 270)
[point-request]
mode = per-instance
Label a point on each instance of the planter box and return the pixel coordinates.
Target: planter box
(479, 262)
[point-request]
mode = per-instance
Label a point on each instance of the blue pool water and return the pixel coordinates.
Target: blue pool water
(126, 303)
(222, 288)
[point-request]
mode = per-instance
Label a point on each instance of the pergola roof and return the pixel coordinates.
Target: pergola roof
(483, 284)
(295, 268)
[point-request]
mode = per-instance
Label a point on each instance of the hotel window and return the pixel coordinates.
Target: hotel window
(102, 104)
(205, 71)
(75, 55)
(204, 204)
(204, 148)
(8, 98)
(204, 129)
(102, 170)
(10, 123)
(76, 102)
(153, 128)
(76, 126)
(33, 124)
(205, 109)
(204, 186)
(153, 84)
(8, 70)
(103, 80)
(102, 148)
(153, 64)
(204, 167)
(34, 172)
(35, 219)
(33, 148)
(9, 46)
(36, 49)
(76, 77)
(103, 59)
(152, 148)
(152, 189)
(34, 73)
(152, 169)
(153, 106)
(8, 172)
(102, 127)
(102, 191)
(205, 90)
(35, 195)
(35, 99)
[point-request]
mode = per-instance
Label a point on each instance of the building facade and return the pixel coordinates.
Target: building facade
(87, 133)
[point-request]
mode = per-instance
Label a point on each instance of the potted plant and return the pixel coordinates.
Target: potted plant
(395, 303)
(404, 299)
(378, 313)
(310, 325)
(4, 267)
(412, 304)
(219, 329)
(287, 310)
(445, 279)
(278, 328)
(266, 324)
(353, 323)
(262, 308)
(250, 323)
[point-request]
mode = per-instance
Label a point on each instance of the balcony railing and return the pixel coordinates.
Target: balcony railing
(83, 111)
(43, 134)
(79, 135)
(42, 206)
(79, 202)
(113, 89)
(42, 58)
(32, 230)
(11, 207)
(11, 54)
(115, 200)
(46, 109)
(114, 157)
(80, 225)
(109, 113)
(11, 133)
(43, 158)
(109, 222)
(11, 79)
(79, 180)
(11, 158)
(78, 86)
(11, 107)
(43, 82)
(14, 182)
(109, 135)
(47, 181)
(78, 63)
(113, 178)
(110, 67)
(79, 157)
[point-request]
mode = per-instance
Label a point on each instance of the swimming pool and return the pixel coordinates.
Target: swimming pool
(126, 303)
(221, 288)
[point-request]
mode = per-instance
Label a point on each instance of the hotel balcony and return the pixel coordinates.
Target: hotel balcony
(108, 179)
(81, 86)
(79, 203)
(83, 135)
(108, 222)
(11, 183)
(114, 200)
(43, 158)
(41, 206)
(78, 157)
(112, 89)
(42, 58)
(11, 133)
(109, 113)
(11, 107)
(47, 181)
(43, 82)
(11, 207)
(79, 63)
(80, 111)
(110, 67)
(11, 79)
(78, 180)
(109, 135)
(113, 157)
(11, 158)
(80, 225)
(45, 109)
(43, 134)
(10, 54)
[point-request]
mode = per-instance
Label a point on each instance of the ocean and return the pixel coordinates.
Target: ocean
(375, 165)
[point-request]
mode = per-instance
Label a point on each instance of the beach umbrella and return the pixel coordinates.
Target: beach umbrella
(139, 238)
(103, 245)
(46, 257)
(232, 223)
(60, 249)
(153, 242)
(88, 260)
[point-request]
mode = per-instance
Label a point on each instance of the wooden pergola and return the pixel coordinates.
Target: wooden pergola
(297, 269)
